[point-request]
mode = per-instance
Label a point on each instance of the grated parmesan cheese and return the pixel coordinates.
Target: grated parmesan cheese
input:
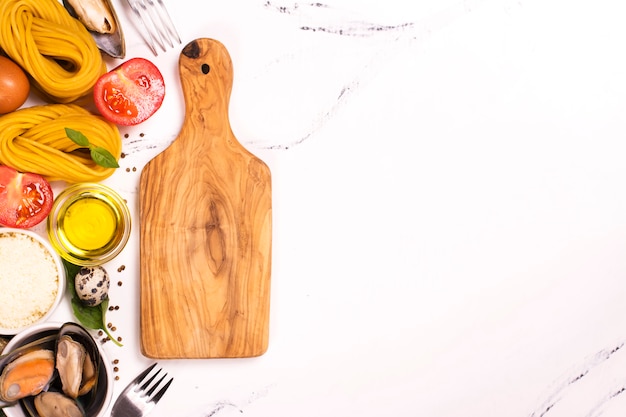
(29, 280)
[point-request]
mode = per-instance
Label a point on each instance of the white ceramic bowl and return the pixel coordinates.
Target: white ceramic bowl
(26, 299)
(38, 331)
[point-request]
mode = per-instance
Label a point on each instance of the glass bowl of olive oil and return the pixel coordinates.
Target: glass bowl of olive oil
(89, 224)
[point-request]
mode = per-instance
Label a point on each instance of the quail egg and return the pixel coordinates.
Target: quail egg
(92, 285)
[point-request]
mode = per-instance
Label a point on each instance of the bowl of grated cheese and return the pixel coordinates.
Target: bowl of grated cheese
(32, 278)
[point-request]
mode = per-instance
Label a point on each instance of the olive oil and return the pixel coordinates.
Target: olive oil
(89, 224)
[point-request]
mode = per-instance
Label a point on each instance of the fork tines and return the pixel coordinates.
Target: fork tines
(141, 395)
(145, 390)
(156, 22)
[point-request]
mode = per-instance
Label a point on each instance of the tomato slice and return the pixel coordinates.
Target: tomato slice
(25, 198)
(130, 93)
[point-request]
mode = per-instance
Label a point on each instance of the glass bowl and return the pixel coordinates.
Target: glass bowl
(89, 224)
(32, 278)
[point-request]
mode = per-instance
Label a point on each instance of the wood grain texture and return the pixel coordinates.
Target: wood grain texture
(205, 227)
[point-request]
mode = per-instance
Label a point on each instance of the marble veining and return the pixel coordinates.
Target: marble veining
(349, 64)
(347, 49)
(562, 390)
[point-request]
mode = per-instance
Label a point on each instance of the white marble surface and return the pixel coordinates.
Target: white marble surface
(448, 200)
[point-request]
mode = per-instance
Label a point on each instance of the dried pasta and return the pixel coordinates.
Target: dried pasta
(33, 139)
(55, 49)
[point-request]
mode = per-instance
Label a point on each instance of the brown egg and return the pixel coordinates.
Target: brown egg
(14, 86)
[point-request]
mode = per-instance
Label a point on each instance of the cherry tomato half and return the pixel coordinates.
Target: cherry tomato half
(130, 93)
(25, 198)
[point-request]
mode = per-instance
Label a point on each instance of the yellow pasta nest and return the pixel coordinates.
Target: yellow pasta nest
(55, 49)
(33, 139)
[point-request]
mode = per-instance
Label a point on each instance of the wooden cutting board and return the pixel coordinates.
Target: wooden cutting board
(205, 227)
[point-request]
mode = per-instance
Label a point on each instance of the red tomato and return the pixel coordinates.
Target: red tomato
(25, 198)
(130, 93)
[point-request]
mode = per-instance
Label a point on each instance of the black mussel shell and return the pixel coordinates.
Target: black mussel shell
(112, 44)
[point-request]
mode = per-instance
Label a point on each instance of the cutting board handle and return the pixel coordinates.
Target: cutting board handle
(206, 74)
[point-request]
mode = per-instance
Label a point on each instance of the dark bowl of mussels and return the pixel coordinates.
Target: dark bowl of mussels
(51, 367)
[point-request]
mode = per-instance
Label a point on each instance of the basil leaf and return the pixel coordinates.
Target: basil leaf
(99, 155)
(70, 271)
(103, 157)
(77, 137)
(90, 317)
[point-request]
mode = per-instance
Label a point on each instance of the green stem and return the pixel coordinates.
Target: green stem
(111, 336)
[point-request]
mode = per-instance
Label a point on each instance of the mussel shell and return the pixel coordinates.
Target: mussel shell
(30, 409)
(93, 401)
(112, 44)
(49, 402)
(44, 340)
(45, 344)
(70, 363)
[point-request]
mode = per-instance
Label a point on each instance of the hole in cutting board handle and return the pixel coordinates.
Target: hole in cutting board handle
(192, 50)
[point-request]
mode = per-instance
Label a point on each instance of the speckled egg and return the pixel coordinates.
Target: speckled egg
(92, 285)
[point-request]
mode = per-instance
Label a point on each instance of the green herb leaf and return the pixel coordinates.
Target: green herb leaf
(103, 157)
(70, 271)
(77, 137)
(100, 155)
(92, 317)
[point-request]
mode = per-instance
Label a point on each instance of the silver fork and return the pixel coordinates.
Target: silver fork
(157, 24)
(138, 398)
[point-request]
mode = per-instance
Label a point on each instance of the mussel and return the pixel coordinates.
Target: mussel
(73, 384)
(100, 19)
(76, 367)
(53, 404)
(26, 375)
